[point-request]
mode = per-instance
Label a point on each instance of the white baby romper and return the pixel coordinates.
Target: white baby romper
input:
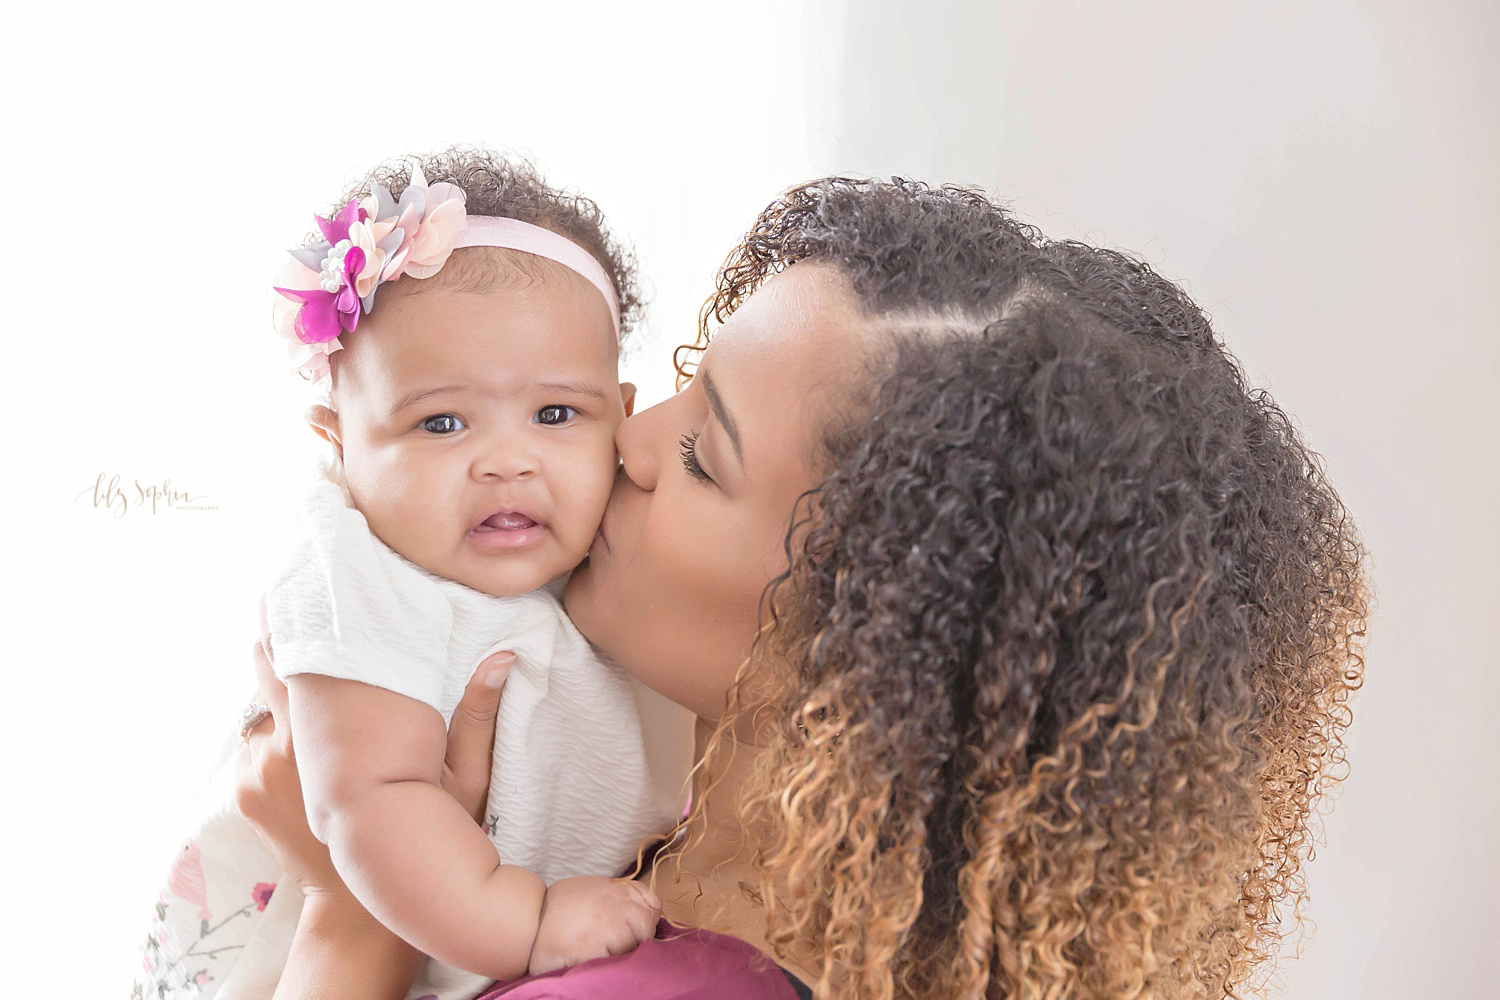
(586, 762)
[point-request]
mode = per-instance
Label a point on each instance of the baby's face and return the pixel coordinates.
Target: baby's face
(477, 427)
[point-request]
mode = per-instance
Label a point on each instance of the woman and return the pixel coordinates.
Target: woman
(1035, 624)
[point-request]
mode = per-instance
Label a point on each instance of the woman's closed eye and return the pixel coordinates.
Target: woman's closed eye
(555, 415)
(442, 423)
(689, 452)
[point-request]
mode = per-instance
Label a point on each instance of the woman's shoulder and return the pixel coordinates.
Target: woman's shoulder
(679, 962)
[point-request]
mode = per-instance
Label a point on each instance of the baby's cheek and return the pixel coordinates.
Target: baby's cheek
(383, 491)
(601, 482)
(587, 494)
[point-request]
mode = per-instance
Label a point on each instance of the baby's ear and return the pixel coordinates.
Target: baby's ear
(627, 396)
(325, 424)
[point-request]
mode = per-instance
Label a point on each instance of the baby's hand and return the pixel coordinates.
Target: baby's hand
(590, 917)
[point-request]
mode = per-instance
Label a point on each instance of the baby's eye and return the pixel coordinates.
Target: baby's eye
(554, 415)
(442, 423)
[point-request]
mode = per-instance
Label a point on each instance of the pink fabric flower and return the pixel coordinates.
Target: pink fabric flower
(367, 236)
(326, 314)
(434, 239)
(337, 228)
(262, 894)
(367, 243)
(308, 360)
(408, 222)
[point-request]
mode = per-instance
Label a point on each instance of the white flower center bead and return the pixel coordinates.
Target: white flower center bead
(332, 273)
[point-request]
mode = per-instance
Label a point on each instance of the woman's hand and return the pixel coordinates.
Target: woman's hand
(269, 793)
(471, 736)
(339, 949)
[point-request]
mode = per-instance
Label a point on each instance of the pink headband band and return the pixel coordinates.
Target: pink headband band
(513, 234)
(327, 286)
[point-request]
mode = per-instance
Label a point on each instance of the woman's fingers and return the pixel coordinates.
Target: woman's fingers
(272, 691)
(269, 701)
(269, 769)
(268, 789)
(471, 735)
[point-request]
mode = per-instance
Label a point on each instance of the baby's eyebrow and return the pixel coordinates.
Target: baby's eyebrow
(578, 388)
(571, 386)
(421, 394)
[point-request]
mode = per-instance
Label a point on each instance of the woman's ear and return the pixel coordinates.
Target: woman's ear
(627, 396)
(325, 424)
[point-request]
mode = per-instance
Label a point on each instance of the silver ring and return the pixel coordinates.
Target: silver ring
(253, 715)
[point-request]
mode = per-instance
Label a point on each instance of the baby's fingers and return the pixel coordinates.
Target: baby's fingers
(641, 915)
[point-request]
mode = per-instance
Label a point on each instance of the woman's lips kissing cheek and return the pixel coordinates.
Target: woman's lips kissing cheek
(601, 540)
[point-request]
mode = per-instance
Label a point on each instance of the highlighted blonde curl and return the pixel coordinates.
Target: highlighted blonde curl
(1062, 661)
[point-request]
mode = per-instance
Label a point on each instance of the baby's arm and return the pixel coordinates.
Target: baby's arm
(371, 763)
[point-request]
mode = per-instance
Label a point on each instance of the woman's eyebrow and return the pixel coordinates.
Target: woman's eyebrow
(716, 403)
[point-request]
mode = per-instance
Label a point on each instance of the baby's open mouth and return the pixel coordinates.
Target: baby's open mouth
(507, 531)
(505, 520)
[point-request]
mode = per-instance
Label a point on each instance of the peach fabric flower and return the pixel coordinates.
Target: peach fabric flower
(369, 242)
(434, 239)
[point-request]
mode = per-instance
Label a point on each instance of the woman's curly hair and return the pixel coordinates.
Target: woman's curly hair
(1063, 654)
(512, 188)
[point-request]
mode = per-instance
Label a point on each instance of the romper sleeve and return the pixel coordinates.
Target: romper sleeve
(346, 605)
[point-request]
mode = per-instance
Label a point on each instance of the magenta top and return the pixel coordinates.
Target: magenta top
(680, 963)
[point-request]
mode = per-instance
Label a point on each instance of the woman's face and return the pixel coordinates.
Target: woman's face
(696, 525)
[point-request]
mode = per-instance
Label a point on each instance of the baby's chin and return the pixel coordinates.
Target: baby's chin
(499, 576)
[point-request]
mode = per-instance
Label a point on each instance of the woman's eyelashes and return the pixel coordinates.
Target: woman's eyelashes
(442, 423)
(689, 452)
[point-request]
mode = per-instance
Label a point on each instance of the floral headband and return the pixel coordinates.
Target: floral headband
(379, 239)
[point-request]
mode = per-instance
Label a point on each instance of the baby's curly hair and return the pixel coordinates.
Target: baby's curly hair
(1064, 651)
(513, 188)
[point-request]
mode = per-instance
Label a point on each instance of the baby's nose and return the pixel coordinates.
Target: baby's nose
(505, 460)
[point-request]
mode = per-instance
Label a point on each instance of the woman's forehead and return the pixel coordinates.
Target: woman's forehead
(802, 325)
(784, 354)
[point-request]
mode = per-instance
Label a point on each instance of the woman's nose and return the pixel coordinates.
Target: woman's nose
(636, 441)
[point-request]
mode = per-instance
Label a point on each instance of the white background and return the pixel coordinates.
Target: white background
(1321, 175)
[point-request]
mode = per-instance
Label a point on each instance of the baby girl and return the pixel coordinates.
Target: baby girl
(469, 331)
